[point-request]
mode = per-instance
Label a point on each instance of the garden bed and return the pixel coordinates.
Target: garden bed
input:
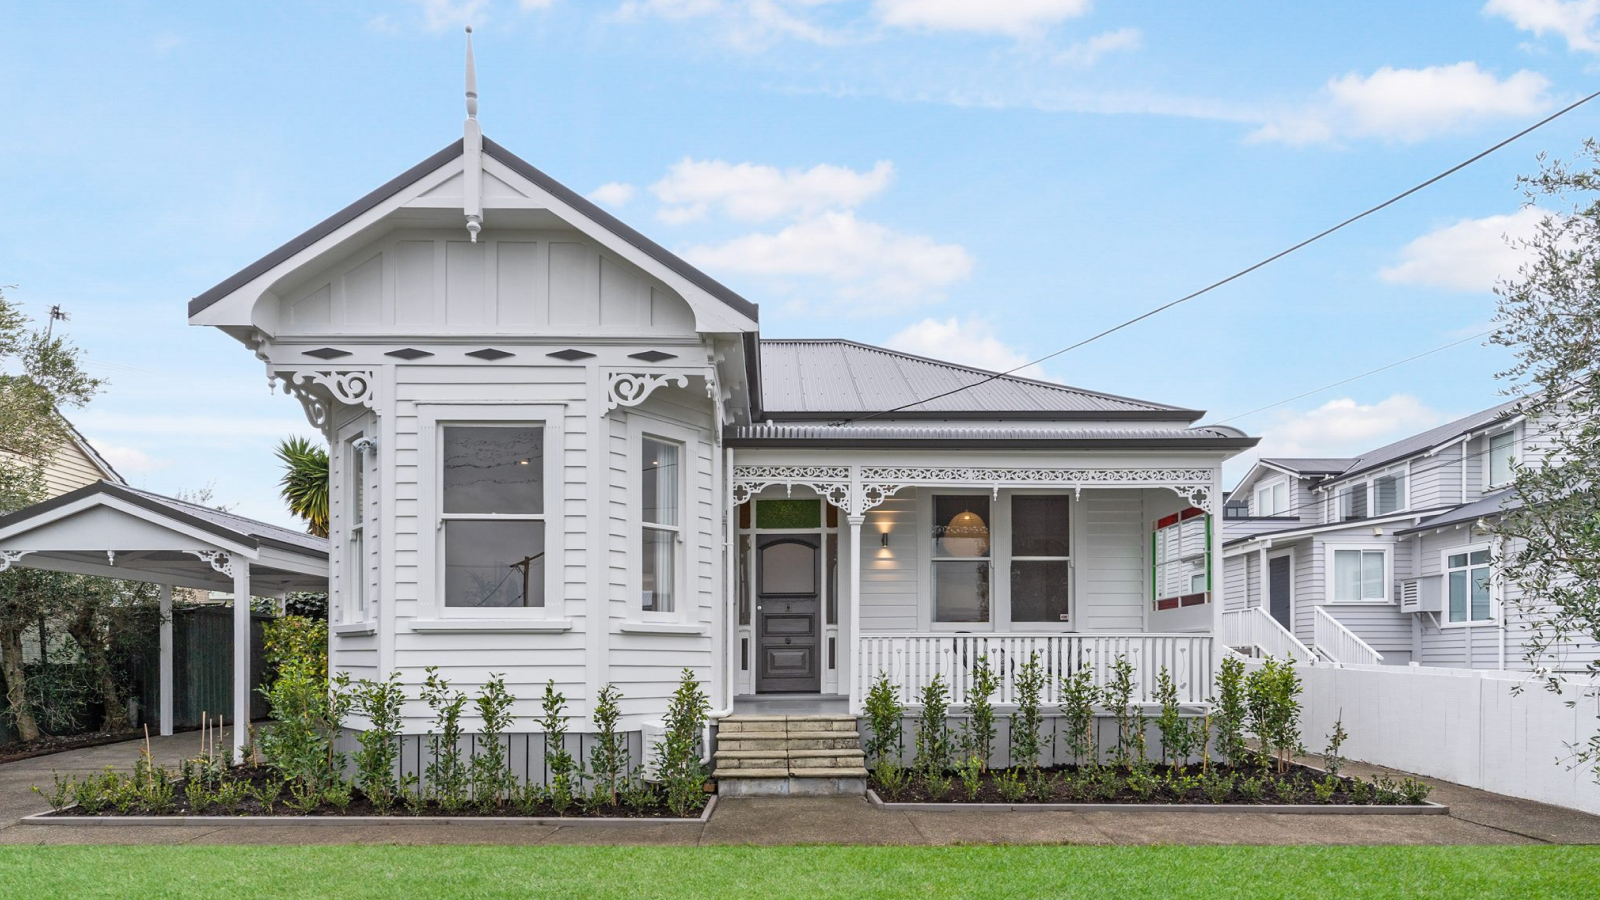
(48, 744)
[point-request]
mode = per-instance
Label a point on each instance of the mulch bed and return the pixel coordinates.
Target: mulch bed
(44, 746)
(1067, 788)
(262, 776)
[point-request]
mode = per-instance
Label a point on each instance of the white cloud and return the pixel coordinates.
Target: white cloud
(971, 342)
(668, 9)
(750, 25)
(755, 193)
(166, 42)
(446, 14)
(1016, 18)
(197, 428)
(1409, 104)
(1086, 53)
(1573, 20)
(530, 5)
(130, 460)
(1344, 427)
(615, 194)
(864, 261)
(1470, 255)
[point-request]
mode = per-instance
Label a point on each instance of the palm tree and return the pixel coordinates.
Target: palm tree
(305, 482)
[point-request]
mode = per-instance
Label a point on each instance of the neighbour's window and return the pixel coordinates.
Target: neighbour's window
(1467, 575)
(1380, 494)
(1350, 502)
(1502, 453)
(961, 558)
(1273, 499)
(1041, 558)
(1182, 548)
(1389, 492)
(659, 480)
(356, 564)
(1360, 575)
(493, 515)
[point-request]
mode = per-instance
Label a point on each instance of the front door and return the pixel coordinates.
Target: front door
(1280, 570)
(788, 636)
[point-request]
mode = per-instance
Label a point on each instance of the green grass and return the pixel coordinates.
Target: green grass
(802, 873)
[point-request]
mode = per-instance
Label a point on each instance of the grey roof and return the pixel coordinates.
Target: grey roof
(1426, 440)
(1310, 465)
(878, 434)
(242, 530)
(812, 379)
(389, 188)
(1487, 505)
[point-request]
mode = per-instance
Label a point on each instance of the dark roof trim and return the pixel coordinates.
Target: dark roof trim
(731, 439)
(389, 188)
(752, 372)
(145, 502)
(322, 229)
(951, 415)
(1308, 530)
(611, 223)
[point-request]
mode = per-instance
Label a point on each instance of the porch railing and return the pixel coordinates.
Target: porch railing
(912, 660)
(1333, 640)
(1255, 628)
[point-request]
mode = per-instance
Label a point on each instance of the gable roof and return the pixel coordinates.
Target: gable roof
(394, 185)
(94, 455)
(1427, 440)
(1488, 505)
(812, 379)
(1309, 465)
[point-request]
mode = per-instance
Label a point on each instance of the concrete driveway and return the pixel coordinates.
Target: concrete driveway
(1475, 817)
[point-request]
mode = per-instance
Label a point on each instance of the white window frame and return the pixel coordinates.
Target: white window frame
(926, 560)
(1365, 483)
(1331, 577)
(1444, 587)
(641, 426)
(1489, 484)
(433, 419)
(1001, 557)
(355, 564)
(1268, 487)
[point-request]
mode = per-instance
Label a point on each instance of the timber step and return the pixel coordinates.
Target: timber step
(789, 756)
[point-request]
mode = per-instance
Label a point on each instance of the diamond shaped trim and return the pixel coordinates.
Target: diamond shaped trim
(327, 353)
(571, 355)
(408, 353)
(652, 356)
(489, 353)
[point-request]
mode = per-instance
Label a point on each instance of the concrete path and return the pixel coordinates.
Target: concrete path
(1476, 817)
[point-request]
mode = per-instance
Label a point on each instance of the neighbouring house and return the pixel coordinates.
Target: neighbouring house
(76, 463)
(1386, 557)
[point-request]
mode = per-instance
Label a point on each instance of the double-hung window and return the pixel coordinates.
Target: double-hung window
(1502, 453)
(961, 561)
(1041, 558)
(355, 568)
(1273, 499)
(1467, 575)
(492, 514)
(660, 517)
(1360, 575)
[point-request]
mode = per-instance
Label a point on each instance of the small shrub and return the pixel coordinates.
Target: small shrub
(1251, 789)
(1361, 791)
(1027, 722)
(267, 792)
(1272, 698)
(296, 641)
(885, 717)
(337, 795)
(1414, 792)
(1324, 788)
(491, 775)
(639, 794)
(59, 796)
(1332, 760)
(1386, 791)
(303, 798)
(937, 782)
(446, 770)
(230, 794)
(971, 773)
(380, 702)
(889, 777)
(678, 752)
(933, 741)
(1012, 787)
(977, 738)
(1104, 784)
(1177, 735)
(1286, 791)
(1041, 785)
(608, 759)
(1079, 695)
(1119, 691)
(1182, 785)
(1142, 783)
(1229, 710)
(1217, 786)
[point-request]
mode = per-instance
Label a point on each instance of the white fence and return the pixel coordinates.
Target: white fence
(1467, 726)
(1254, 627)
(1339, 643)
(912, 660)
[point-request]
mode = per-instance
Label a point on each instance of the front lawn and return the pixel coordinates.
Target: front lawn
(802, 873)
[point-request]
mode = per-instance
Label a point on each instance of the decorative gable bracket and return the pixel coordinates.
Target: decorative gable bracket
(315, 388)
(633, 388)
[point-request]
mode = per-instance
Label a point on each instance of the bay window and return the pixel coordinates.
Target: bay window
(1467, 575)
(1360, 575)
(660, 515)
(492, 513)
(1182, 551)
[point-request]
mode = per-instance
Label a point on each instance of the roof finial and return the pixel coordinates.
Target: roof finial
(472, 80)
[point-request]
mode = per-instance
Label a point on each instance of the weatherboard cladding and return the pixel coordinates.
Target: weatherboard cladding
(838, 376)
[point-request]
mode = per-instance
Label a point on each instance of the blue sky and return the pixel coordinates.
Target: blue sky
(983, 180)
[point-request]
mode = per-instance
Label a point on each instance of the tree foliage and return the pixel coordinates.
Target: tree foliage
(1549, 316)
(304, 485)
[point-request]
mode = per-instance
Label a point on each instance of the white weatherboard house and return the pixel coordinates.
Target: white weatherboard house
(560, 452)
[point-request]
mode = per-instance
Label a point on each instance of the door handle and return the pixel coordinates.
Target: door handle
(788, 640)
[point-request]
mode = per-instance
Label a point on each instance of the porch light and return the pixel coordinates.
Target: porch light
(966, 535)
(884, 542)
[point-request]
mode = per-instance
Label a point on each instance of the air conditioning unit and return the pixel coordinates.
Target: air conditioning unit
(1419, 595)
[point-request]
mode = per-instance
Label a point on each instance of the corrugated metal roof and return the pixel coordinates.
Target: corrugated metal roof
(239, 525)
(1487, 505)
(1426, 440)
(875, 433)
(826, 377)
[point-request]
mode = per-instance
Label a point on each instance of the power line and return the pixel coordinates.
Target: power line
(1242, 272)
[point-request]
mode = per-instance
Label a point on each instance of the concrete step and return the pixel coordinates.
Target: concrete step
(736, 774)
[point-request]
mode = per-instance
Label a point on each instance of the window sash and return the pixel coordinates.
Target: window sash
(1360, 576)
(1502, 451)
(1469, 586)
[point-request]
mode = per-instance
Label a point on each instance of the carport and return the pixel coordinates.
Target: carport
(114, 531)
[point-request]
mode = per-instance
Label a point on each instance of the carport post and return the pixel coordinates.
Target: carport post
(166, 659)
(241, 656)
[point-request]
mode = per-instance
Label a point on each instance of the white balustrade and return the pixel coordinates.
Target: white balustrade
(1339, 643)
(1255, 628)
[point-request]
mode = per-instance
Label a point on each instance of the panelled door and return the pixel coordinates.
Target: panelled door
(788, 614)
(1280, 572)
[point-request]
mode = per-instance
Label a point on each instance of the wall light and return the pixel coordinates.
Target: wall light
(885, 540)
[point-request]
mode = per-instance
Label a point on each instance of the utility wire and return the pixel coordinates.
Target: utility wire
(1242, 272)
